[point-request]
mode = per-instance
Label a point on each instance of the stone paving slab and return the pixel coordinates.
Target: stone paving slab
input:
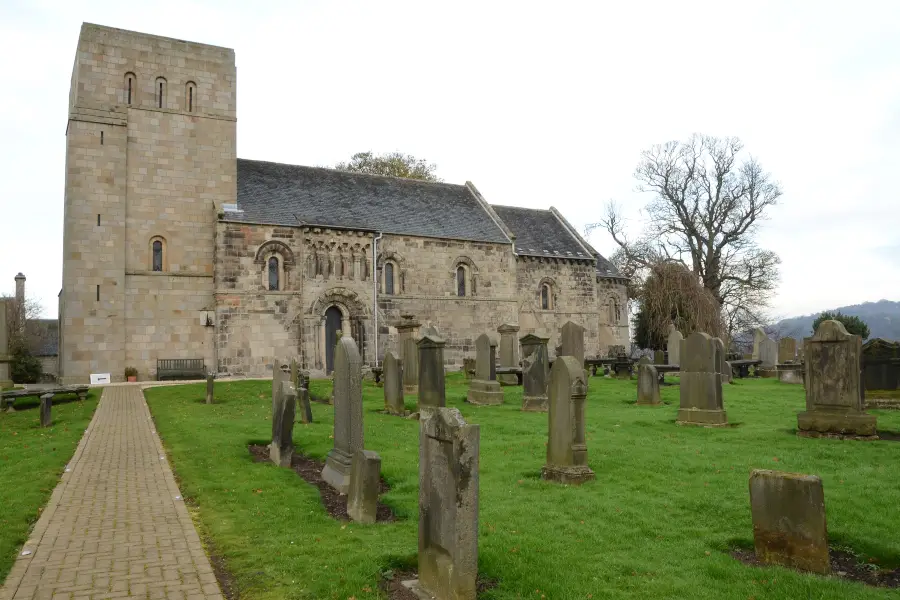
(115, 526)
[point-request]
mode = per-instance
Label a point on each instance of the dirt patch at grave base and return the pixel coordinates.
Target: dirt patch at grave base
(395, 590)
(843, 564)
(310, 470)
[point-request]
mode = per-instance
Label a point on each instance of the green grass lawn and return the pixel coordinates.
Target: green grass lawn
(668, 504)
(31, 461)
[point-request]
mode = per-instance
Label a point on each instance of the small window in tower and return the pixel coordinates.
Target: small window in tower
(98, 293)
(274, 283)
(160, 92)
(545, 296)
(389, 279)
(157, 255)
(189, 93)
(129, 87)
(460, 281)
(101, 138)
(98, 219)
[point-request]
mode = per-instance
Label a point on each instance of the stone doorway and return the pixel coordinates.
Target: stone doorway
(333, 324)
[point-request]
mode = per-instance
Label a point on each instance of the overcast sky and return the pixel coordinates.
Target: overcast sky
(538, 104)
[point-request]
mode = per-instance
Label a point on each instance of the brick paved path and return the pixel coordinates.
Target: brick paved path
(115, 526)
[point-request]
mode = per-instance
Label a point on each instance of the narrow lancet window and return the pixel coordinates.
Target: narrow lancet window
(157, 255)
(460, 281)
(389, 279)
(545, 297)
(273, 274)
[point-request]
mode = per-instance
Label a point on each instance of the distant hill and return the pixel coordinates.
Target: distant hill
(882, 317)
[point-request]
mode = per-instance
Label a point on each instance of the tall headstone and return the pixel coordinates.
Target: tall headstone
(46, 407)
(768, 353)
(834, 391)
(210, 388)
(348, 415)
(278, 376)
(881, 366)
(659, 357)
(787, 350)
(648, 383)
(485, 389)
(571, 341)
(566, 447)
(509, 352)
(722, 366)
(789, 527)
(432, 390)
(365, 483)
(535, 372)
(701, 383)
(5, 357)
(281, 450)
(758, 336)
(673, 345)
(448, 506)
(300, 381)
(408, 333)
(393, 384)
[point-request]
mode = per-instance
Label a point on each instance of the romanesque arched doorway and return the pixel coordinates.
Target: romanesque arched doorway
(333, 324)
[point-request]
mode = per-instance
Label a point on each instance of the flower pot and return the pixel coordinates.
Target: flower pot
(132, 378)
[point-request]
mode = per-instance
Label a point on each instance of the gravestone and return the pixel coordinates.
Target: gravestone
(408, 331)
(535, 372)
(766, 350)
(210, 382)
(790, 373)
(787, 350)
(834, 394)
(46, 408)
(300, 381)
(722, 366)
(881, 371)
(469, 367)
(789, 528)
(432, 391)
(571, 342)
(509, 352)
(365, 483)
(659, 358)
(393, 384)
(348, 415)
(278, 376)
(448, 506)
(5, 356)
(673, 345)
(701, 383)
(648, 383)
(758, 336)
(566, 447)
(485, 389)
(281, 450)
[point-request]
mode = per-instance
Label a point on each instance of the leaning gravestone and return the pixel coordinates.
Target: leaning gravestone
(834, 394)
(789, 526)
(722, 366)
(535, 372)
(281, 450)
(348, 415)
(365, 481)
(566, 447)
(432, 390)
(485, 389)
(393, 384)
(787, 350)
(408, 335)
(648, 383)
(701, 383)
(509, 352)
(448, 506)
(571, 342)
(46, 407)
(673, 345)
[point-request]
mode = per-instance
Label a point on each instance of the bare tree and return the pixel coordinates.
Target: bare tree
(32, 309)
(707, 204)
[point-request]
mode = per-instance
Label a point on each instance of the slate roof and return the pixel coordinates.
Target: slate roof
(42, 336)
(540, 233)
(279, 194)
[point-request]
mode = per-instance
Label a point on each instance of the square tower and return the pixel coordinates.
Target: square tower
(150, 160)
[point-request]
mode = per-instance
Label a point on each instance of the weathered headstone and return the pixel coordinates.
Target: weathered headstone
(701, 383)
(566, 447)
(348, 415)
(281, 450)
(393, 384)
(766, 350)
(535, 372)
(509, 352)
(789, 528)
(469, 367)
(571, 341)
(648, 383)
(5, 356)
(210, 383)
(758, 336)
(787, 350)
(834, 393)
(278, 376)
(448, 506)
(300, 380)
(485, 389)
(408, 331)
(46, 407)
(432, 390)
(659, 357)
(881, 370)
(673, 345)
(365, 482)
(722, 366)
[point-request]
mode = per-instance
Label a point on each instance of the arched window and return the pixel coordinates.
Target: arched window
(157, 255)
(130, 88)
(460, 280)
(389, 278)
(614, 313)
(546, 300)
(190, 95)
(160, 92)
(273, 274)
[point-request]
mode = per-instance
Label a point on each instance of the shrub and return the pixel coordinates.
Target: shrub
(853, 325)
(24, 367)
(130, 372)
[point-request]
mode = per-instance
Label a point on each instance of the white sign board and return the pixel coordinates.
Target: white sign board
(99, 378)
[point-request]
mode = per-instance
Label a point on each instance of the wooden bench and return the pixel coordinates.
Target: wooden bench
(180, 368)
(8, 398)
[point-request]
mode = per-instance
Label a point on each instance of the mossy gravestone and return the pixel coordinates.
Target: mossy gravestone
(571, 341)
(648, 383)
(509, 352)
(535, 372)
(393, 384)
(348, 415)
(281, 450)
(431, 384)
(485, 389)
(407, 331)
(566, 447)
(701, 383)
(365, 481)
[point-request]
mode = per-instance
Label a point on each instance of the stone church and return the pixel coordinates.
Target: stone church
(176, 248)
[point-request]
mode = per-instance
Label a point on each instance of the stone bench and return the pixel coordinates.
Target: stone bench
(180, 368)
(741, 368)
(8, 398)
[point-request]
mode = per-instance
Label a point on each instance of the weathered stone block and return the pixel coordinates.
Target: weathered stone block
(789, 526)
(408, 333)
(431, 385)
(348, 415)
(701, 384)
(571, 341)
(647, 384)
(485, 389)
(535, 372)
(509, 352)
(46, 407)
(566, 446)
(365, 482)
(210, 382)
(281, 450)
(673, 345)
(393, 384)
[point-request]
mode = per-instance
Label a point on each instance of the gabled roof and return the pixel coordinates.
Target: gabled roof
(540, 233)
(279, 194)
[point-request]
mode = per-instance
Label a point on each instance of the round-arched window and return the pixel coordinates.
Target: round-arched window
(274, 282)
